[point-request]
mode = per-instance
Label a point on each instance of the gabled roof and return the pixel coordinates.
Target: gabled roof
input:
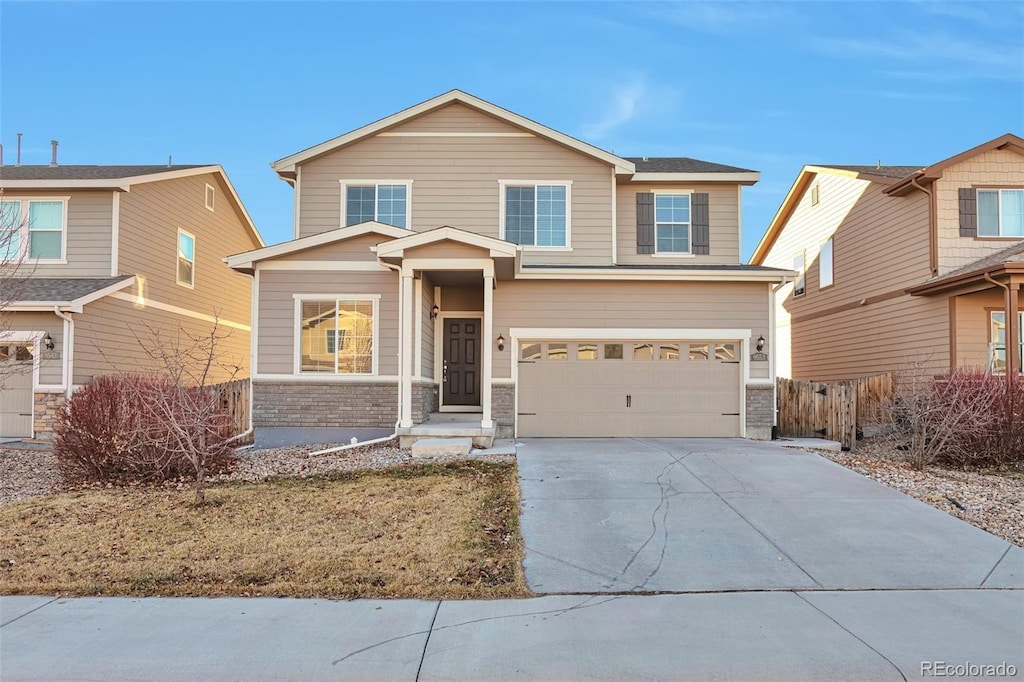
(895, 172)
(244, 261)
(44, 293)
(1010, 259)
(927, 175)
(396, 247)
(117, 178)
(681, 164)
(286, 167)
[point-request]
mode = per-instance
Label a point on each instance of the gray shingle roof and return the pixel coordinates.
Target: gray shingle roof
(896, 172)
(85, 172)
(681, 164)
(1011, 254)
(59, 289)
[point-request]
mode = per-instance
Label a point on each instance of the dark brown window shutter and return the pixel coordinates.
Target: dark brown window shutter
(644, 222)
(700, 224)
(968, 212)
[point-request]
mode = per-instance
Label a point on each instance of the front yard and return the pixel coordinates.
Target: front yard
(443, 530)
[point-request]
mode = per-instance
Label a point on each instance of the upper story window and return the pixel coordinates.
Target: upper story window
(672, 223)
(34, 229)
(825, 265)
(800, 288)
(211, 195)
(387, 203)
(186, 259)
(536, 214)
(1001, 212)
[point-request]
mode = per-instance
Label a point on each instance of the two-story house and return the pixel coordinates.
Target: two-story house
(456, 256)
(108, 258)
(902, 267)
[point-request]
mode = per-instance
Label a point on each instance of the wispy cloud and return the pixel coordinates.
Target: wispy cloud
(623, 106)
(722, 18)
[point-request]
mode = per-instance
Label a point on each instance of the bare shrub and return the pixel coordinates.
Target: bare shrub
(963, 418)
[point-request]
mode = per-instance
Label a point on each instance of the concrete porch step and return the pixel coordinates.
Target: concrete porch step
(442, 447)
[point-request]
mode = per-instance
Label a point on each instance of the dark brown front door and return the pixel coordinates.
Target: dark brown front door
(461, 371)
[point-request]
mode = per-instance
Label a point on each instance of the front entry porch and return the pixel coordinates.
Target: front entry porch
(450, 425)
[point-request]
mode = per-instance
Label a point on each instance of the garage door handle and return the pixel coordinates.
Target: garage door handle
(527, 414)
(730, 414)
(629, 400)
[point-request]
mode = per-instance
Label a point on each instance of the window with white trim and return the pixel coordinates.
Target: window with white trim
(672, 223)
(825, 265)
(997, 337)
(537, 214)
(33, 229)
(1001, 212)
(211, 194)
(800, 288)
(336, 336)
(186, 259)
(384, 203)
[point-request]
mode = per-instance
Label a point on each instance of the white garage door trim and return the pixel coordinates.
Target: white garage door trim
(741, 336)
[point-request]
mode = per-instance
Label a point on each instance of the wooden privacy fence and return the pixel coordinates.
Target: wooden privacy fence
(812, 409)
(234, 398)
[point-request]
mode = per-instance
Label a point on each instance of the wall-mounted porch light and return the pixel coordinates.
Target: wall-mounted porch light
(501, 342)
(760, 343)
(434, 311)
(48, 341)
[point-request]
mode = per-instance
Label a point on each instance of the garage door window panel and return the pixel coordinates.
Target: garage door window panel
(643, 351)
(613, 351)
(725, 352)
(668, 351)
(558, 351)
(586, 351)
(699, 352)
(529, 351)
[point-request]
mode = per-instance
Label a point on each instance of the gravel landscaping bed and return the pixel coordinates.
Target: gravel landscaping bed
(27, 473)
(993, 501)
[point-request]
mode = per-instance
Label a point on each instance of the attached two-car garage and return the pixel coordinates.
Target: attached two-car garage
(609, 388)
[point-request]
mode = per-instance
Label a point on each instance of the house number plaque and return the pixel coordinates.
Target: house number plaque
(759, 357)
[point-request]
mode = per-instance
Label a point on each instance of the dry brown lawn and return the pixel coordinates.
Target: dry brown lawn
(433, 531)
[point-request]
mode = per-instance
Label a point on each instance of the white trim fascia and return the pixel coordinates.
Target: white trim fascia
(327, 378)
(615, 219)
(672, 275)
(338, 297)
(438, 339)
(296, 205)
(288, 163)
(297, 336)
(405, 334)
(323, 265)
(485, 265)
(345, 182)
(395, 247)
(177, 255)
(115, 184)
(401, 133)
(115, 234)
(571, 333)
(105, 291)
(142, 302)
(503, 186)
(749, 178)
(247, 258)
(486, 353)
(503, 381)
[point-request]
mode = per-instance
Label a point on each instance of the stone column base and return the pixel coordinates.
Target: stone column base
(47, 407)
(760, 411)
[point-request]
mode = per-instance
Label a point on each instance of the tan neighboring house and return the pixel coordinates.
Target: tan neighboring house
(458, 257)
(902, 266)
(109, 254)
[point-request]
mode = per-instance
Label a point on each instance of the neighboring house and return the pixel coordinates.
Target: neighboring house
(112, 255)
(456, 256)
(902, 266)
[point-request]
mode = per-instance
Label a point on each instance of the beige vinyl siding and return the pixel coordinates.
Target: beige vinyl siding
(996, 168)
(457, 118)
(880, 248)
(114, 336)
(626, 305)
(723, 213)
(151, 215)
(455, 182)
(51, 365)
(89, 221)
(463, 299)
(446, 249)
(356, 248)
(973, 326)
(276, 342)
(427, 347)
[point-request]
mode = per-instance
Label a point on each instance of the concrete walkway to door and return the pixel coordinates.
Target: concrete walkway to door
(680, 515)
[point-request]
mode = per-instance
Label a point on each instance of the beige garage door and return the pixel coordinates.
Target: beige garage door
(15, 391)
(629, 388)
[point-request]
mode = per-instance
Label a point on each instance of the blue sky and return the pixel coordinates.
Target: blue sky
(769, 86)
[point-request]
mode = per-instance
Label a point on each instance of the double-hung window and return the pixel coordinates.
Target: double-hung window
(337, 335)
(384, 202)
(33, 229)
(1001, 212)
(998, 336)
(672, 223)
(186, 259)
(826, 266)
(536, 214)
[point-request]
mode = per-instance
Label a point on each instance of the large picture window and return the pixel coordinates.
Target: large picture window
(536, 214)
(384, 203)
(32, 229)
(337, 336)
(672, 223)
(1001, 212)
(997, 336)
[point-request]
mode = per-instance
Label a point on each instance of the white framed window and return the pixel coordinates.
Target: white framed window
(34, 229)
(536, 214)
(336, 334)
(800, 288)
(384, 201)
(997, 339)
(1001, 213)
(186, 259)
(672, 223)
(825, 265)
(211, 195)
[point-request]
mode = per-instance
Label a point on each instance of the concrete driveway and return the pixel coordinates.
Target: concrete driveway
(681, 515)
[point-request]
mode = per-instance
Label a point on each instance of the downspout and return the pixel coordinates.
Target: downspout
(1010, 319)
(69, 349)
(933, 229)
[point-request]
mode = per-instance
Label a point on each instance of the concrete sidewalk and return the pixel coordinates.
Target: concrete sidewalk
(786, 635)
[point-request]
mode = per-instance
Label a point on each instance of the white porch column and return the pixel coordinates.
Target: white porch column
(486, 346)
(405, 340)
